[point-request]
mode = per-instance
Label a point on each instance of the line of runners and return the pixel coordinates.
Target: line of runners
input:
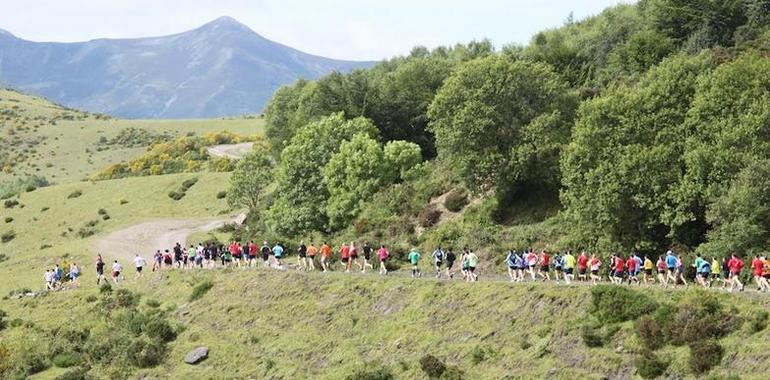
(667, 270)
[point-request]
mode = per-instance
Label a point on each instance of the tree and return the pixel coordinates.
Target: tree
(401, 156)
(252, 174)
(502, 123)
(352, 176)
(301, 195)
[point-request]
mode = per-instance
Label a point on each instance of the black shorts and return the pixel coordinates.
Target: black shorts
(471, 269)
(100, 271)
(594, 272)
(438, 263)
(354, 256)
(367, 256)
(558, 269)
(345, 259)
(648, 272)
(661, 271)
(139, 269)
(618, 274)
(302, 255)
(544, 268)
(582, 271)
(568, 271)
(265, 256)
(450, 264)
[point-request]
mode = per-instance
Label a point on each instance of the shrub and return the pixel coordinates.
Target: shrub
(160, 329)
(432, 366)
(649, 332)
(44, 209)
(201, 289)
(611, 304)
(456, 200)
(10, 203)
(105, 288)
(758, 321)
(123, 201)
(704, 355)
(153, 303)
(66, 360)
(478, 355)
(591, 337)
(102, 211)
(649, 366)
(75, 194)
(7, 236)
(8, 219)
(187, 184)
(697, 317)
(85, 232)
(105, 217)
(144, 354)
(3, 257)
(429, 216)
(3, 322)
(78, 373)
(176, 195)
(371, 371)
(221, 195)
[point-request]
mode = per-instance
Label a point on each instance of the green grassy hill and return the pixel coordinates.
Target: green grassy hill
(63, 145)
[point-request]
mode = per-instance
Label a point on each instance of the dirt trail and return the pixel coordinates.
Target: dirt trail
(146, 238)
(231, 151)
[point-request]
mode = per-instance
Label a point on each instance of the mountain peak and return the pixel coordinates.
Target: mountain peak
(225, 23)
(5, 33)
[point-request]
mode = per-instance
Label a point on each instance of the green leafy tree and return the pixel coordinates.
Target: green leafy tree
(301, 195)
(352, 176)
(502, 123)
(402, 156)
(252, 174)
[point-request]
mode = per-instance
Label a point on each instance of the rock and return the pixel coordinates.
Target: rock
(619, 349)
(197, 355)
(33, 295)
(397, 344)
(184, 312)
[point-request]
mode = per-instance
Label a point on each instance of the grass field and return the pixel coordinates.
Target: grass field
(64, 145)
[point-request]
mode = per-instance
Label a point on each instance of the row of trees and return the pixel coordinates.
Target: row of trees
(649, 121)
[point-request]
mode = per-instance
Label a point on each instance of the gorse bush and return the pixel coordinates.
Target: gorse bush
(758, 321)
(75, 194)
(704, 355)
(432, 366)
(429, 216)
(649, 366)
(649, 332)
(610, 304)
(201, 289)
(371, 371)
(456, 200)
(8, 236)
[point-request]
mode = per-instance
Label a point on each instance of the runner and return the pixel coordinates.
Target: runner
(326, 255)
(661, 267)
(582, 266)
(680, 270)
(510, 259)
(697, 265)
(383, 255)
(58, 274)
(414, 258)
(521, 266)
(265, 250)
(757, 266)
(473, 262)
(617, 276)
(569, 267)
(345, 257)
(595, 264)
(558, 265)
(199, 256)
(354, 256)
(631, 266)
(705, 271)
(531, 262)
(450, 262)
(235, 252)
(253, 254)
(74, 273)
(278, 253)
(311, 252)
(544, 262)
(48, 276)
(302, 256)
(227, 257)
(99, 269)
(116, 270)
(716, 272)
(139, 264)
(438, 259)
(648, 267)
(464, 263)
(735, 264)
(671, 268)
(367, 257)
(178, 255)
(157, 260)
(168, 259)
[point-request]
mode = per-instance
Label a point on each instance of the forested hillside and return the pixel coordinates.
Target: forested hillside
(641, 128)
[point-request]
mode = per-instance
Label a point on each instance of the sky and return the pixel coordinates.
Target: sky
(353, 29)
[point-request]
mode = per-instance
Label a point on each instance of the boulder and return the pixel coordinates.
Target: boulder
(197, 355)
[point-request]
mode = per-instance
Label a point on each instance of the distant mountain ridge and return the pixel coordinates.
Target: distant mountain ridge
(222, 68)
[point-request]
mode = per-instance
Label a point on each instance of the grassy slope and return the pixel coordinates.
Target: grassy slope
(284, 325)
(62, 156)
(147, 199)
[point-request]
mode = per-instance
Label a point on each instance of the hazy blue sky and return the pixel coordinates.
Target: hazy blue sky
(354, 29)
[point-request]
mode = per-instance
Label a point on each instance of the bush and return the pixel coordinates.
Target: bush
(66, 360)
(432, 366)
(153, 303)
(79, 373)
(10, 203)
(176, 195)
(371, 371)
(704, 355)
(478, 355)
(123, 201)
(44, 209)
(649, 332)
(7, 236)
(105, 288)
(429, 216)
(611, 304)
(187, 184)
(648, 366)
(159, 329)
(105, 217)
(697, 317)
(456, 200)
(145, 354)
(102, 211)
(75, 194)
(758, 321)
(591, 336)
(85, 232)
(221, 195)
(8, 219)
(201, 289)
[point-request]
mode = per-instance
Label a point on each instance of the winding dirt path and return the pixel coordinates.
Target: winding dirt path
(231, 151)
(146, 238)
